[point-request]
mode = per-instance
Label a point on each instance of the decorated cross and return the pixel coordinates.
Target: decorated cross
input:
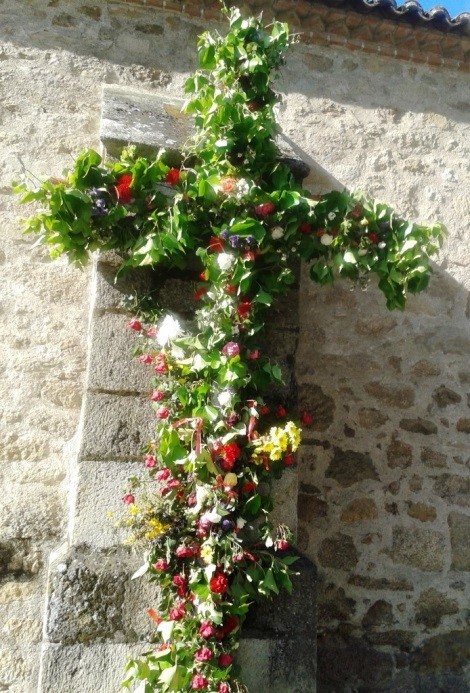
(234, 211)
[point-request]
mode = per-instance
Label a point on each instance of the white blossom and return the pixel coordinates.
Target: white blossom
(326, 239)
(277, 232)
(225, 261)
(169, 329)
(224, 398)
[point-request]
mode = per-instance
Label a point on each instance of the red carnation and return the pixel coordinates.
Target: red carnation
(135, 325)
(128, 499)
(173, 176)
(204, 654)
(288, 460)
(198, 682)
(263, 410)
(150, 461)
(157, 396)
(123, 191)
(243, 309)
(373, 238)
(177, 612)
(162, 474)
(181, 585)
(230, 452)
(160, 565)
(230, 624)
(248, 487)
(263, 210)
(280, 412)
(206, 629)
(218, 583)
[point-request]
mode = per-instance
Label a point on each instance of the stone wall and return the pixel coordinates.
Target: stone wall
(383, 507)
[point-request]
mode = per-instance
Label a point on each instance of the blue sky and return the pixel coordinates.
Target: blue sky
(454, 7)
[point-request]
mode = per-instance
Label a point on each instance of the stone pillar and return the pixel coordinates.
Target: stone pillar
(96, 615)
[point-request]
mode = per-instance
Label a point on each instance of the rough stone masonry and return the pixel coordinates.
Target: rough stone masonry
(383, 504)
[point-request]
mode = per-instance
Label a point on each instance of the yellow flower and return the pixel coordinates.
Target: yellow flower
(133, 509)
(207, 554)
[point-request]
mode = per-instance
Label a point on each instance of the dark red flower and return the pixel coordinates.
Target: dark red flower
(173, 176)
(248, 487)
(243, 309)
(216, 245)
(265, 209)
(177, 612)
(230, 624)
(199, 293)
(224, 659)
(162, 474)
(282, 545)
(288, 460)
(373, 238)
(306, 418)
(181, 585)
(218, 583)
(280, 411)
(204, 654)
(305, 227)
(263, 410)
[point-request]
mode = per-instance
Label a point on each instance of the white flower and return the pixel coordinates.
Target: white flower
(331, 216)
(382, 244)
(169, 329)
(225, 261)
(240, 522)
(277, 232)
(326, 239)
(224, 398)
(213, 516)
(362, 251)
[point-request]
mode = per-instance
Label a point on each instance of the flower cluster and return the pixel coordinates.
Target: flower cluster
(202, 515)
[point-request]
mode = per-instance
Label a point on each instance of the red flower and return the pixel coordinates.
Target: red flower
(253, 355)
(225, 659)
(282, 545)
(228, 184)
(151, 332)
(181, 585)
(230, 289)
(135, 325)
(218, 583)
(223, 688)
(248, 487)
(230, 624)
(150, 461)
(198, 682)
(263, 210)
(173, 176)
(306, 418)
(305, 227)
(373, 238)
(157, 396)
(177, 612)
(243, 309)
(263, 410)
(128, 499)
(280, 412)
(123, 191)
(162, 413)
(206, 629)
(203, 654)
(145, 359)
(160, 364)
(252, 106)
(154, 616)
(160, 565)
(204, 276)
(249, 256)
(215, 244)
(288, 460)
(199, 293)
(231, 349)
(186, 551)
(230, 453)
(162, 474)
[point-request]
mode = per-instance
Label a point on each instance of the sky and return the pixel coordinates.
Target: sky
(454, 7)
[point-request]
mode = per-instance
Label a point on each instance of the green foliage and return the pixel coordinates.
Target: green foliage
(237, 211)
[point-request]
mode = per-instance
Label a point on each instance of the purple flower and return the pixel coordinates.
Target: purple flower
(224, 234)
(233, 240)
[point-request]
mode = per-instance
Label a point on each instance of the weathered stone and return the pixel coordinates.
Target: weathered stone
(148, 120)
(433, 458)
(371, 418)
(360, 509)
(420, 548)
(379, 614)
(109, 369)
(444, 396)
(111, 292)
(334, 604)
(348, 467)
(459, 526)
(311, 507)
(320, 405)
(400, 397)
(155, 29)
(448, 651)
(338, 551)
(115, 427)
(375, 325)
(432, 606)
(370, 583)
(402, 639)
(415, 483)
(19, 559)
(463, 425)
(422, 512)
(399, 454)
(455, 489)
(348, 663)
(426, 368)
(92, 11)
(419, 425)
